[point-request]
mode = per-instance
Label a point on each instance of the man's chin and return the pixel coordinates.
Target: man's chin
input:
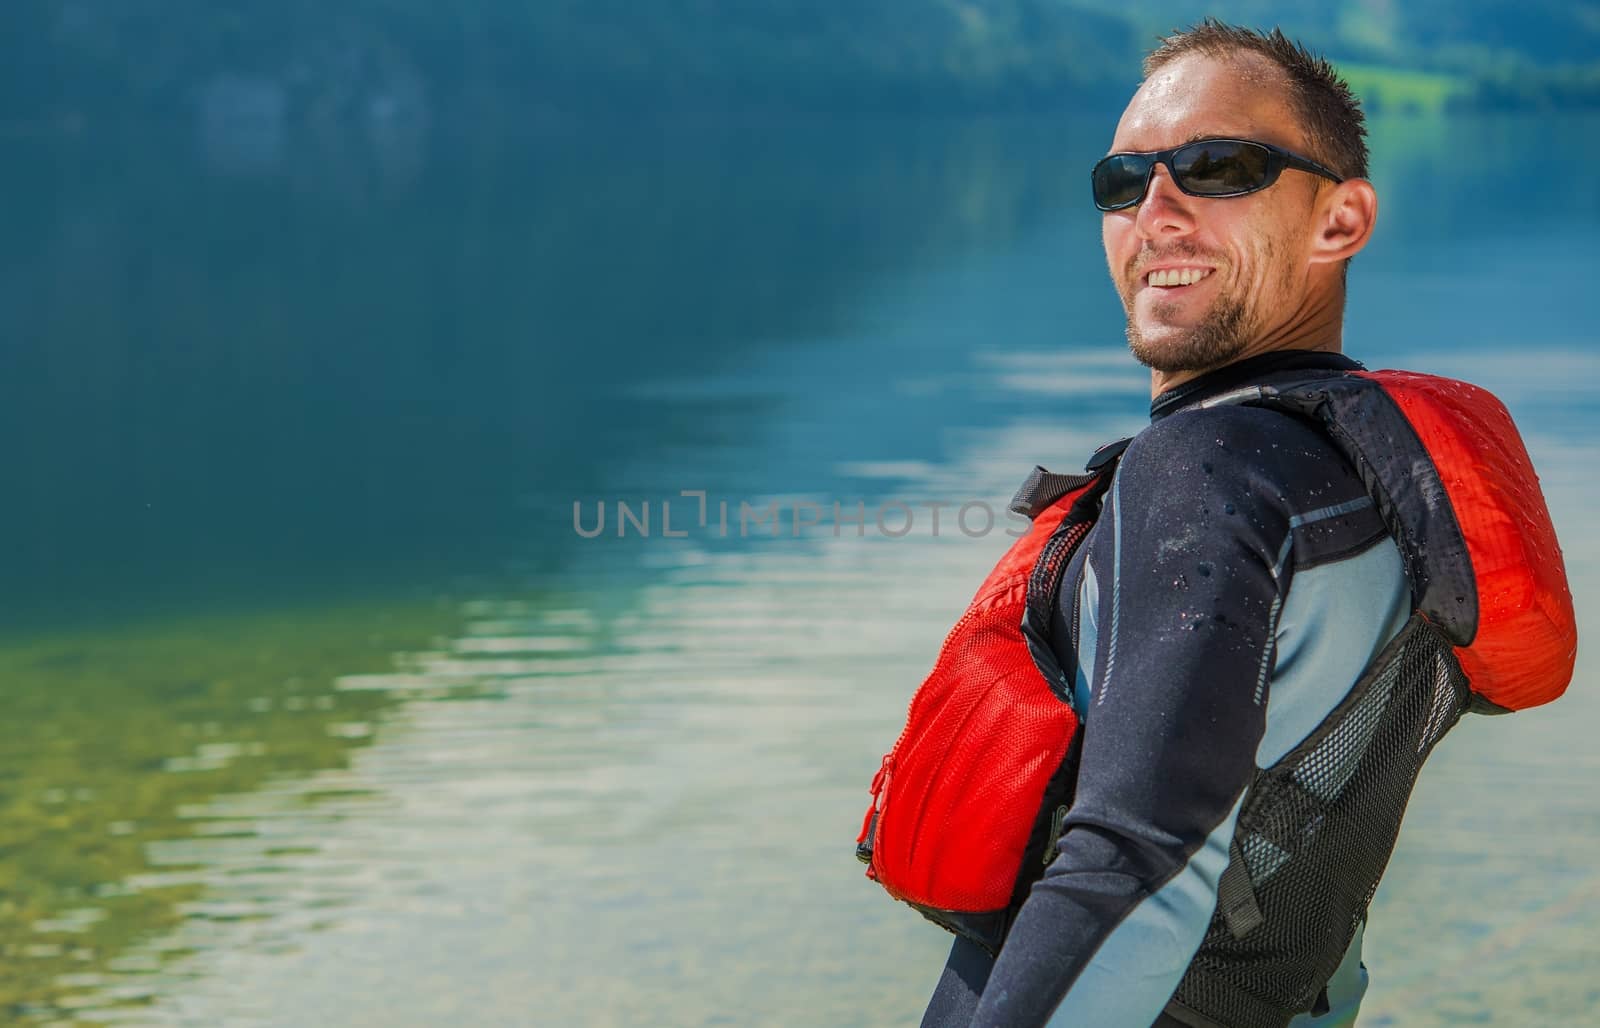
(1162, 347)
(1170, 349)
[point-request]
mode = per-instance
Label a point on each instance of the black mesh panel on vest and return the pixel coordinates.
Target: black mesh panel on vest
(1314, 837)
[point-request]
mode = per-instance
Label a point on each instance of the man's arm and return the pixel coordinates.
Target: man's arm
(1187, 567)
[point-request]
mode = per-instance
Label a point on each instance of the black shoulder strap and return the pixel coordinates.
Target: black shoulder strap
(1044, 582)
(1046, 487)
(1368, 428)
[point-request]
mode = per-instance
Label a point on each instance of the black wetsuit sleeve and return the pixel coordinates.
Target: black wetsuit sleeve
(1186, 559)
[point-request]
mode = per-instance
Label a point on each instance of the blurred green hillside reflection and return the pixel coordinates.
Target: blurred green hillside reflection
(341, 370)
(115, 743)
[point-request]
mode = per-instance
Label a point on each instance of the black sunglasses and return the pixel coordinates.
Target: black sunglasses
(1206, 167)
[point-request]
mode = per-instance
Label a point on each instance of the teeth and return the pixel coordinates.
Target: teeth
(1178, 276)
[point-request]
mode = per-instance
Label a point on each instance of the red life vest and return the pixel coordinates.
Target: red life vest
(967, 807)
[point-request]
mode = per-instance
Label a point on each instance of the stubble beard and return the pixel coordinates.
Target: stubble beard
(1215, 341)
(1225, 331)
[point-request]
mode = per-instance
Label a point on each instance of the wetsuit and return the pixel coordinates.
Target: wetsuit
(1238, 582)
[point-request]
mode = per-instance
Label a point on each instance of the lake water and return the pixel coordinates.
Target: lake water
(322, 711)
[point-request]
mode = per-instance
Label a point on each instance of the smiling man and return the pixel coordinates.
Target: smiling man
(1238, 582)
(1210, 278)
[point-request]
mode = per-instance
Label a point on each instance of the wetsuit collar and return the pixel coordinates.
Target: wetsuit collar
(1245, 372)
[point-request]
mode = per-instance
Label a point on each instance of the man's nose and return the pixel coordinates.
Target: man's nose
(1165, 209)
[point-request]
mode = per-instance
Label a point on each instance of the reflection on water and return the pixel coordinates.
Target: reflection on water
(618, 782)
(118, 744)
(261, 389)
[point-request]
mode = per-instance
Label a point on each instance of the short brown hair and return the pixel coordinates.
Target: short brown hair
(1335, 127)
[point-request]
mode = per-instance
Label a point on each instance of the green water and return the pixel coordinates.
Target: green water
(323, 713)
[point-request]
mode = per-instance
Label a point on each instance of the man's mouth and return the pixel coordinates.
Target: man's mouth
(1175, 278)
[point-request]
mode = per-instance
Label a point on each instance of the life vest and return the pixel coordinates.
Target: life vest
(967, 807)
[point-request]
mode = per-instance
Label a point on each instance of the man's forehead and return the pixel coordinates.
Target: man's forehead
(1198, 96)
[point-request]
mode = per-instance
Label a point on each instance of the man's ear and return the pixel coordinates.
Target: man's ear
(1346, 216)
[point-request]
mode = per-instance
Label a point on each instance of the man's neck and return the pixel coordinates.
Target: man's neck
(1251, 370)
(1164, 381)
(1314, 323)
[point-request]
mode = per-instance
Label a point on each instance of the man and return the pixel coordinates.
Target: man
(1237, 583)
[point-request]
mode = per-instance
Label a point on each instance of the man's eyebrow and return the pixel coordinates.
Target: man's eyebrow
(1197, 137)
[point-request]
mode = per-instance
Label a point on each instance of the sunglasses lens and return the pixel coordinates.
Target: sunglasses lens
(1221, 167)
(1119, 180)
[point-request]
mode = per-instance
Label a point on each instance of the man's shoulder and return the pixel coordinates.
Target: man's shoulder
(1248, 473)
(1231, 440)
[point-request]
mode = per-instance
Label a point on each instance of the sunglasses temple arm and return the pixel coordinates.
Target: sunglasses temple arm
(1302, 164)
